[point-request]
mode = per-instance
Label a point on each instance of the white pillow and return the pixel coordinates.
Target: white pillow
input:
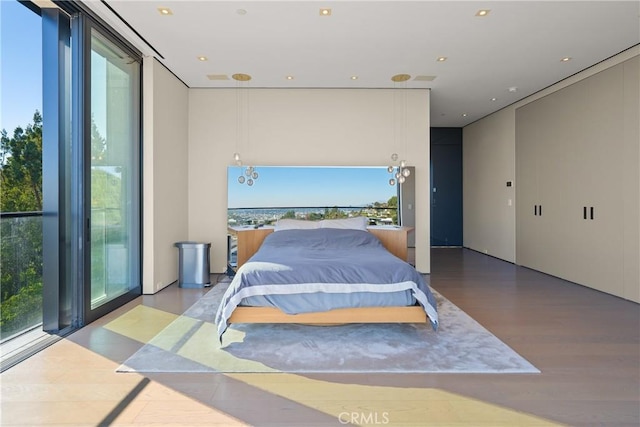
(356, 223)
(295, 224)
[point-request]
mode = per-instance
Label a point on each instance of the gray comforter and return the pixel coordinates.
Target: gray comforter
(302, 271)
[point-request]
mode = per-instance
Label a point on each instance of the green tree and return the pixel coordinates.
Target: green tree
(334, 213)
(98, 144)
(21, 243)
(393, 203)
(289, 214)
(21, 168)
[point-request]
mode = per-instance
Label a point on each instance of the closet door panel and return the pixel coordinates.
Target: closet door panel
(541, 155)
(527, 199)
(579, 182)
(552, 185)
(598, 184)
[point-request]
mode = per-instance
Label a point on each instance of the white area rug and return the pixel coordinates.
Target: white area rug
(461, 345)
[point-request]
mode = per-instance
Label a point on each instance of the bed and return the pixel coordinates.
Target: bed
(325, 272)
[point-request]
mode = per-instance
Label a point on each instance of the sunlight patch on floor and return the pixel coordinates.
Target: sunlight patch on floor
(67, 384)
(141, 323)
(379, 405)
(203, 348)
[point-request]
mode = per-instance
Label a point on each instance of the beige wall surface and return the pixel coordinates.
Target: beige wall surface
(300, 127)
(165, 177)
(488, 161)
(632, 179)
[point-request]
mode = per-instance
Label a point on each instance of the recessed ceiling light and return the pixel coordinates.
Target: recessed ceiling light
(325, 11)
(241, 11)
(483, 12)
(354, 77)
(441, 58)
(513, 89)
(566, 59)
(289, 77)
(464, 114)
(165, 11)
(202, 58)
(494, 99)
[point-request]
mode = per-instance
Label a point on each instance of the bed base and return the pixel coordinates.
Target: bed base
(409, 314)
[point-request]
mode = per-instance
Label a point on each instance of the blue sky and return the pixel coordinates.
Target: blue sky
(20, 65)
(310, 186)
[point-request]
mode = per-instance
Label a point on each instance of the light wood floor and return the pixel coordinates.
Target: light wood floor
(586, 344)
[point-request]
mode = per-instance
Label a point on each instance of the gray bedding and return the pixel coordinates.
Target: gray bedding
(300, 271)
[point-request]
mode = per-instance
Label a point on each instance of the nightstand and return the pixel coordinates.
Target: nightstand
(249, 240)
(393, 238)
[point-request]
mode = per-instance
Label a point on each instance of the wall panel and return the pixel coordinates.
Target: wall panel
(165, 174)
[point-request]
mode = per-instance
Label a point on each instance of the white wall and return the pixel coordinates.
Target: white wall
(488, 162)
(300, 127)
(165, 176)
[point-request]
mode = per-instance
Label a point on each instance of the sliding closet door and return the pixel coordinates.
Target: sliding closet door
(112, 177)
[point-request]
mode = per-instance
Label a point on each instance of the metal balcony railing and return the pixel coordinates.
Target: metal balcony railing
(20, 273)
(378, 215)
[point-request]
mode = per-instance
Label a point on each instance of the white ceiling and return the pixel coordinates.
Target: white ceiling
(518, 44)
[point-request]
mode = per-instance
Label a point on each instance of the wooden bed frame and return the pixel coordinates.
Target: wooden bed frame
(409, 314)
(394, 240)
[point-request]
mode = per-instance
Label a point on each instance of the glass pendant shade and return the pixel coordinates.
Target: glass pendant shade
(392, 181)
(247, 176)
(394, 157)
(406, 172)
(236, 157)
(390, 169)
(401, 179)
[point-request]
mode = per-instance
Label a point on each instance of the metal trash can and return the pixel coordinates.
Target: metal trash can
(193, 264)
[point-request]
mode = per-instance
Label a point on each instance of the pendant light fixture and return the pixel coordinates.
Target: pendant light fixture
(400, 172)
(249, 175)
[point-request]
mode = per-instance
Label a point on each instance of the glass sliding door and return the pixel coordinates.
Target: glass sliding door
(112, 156)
